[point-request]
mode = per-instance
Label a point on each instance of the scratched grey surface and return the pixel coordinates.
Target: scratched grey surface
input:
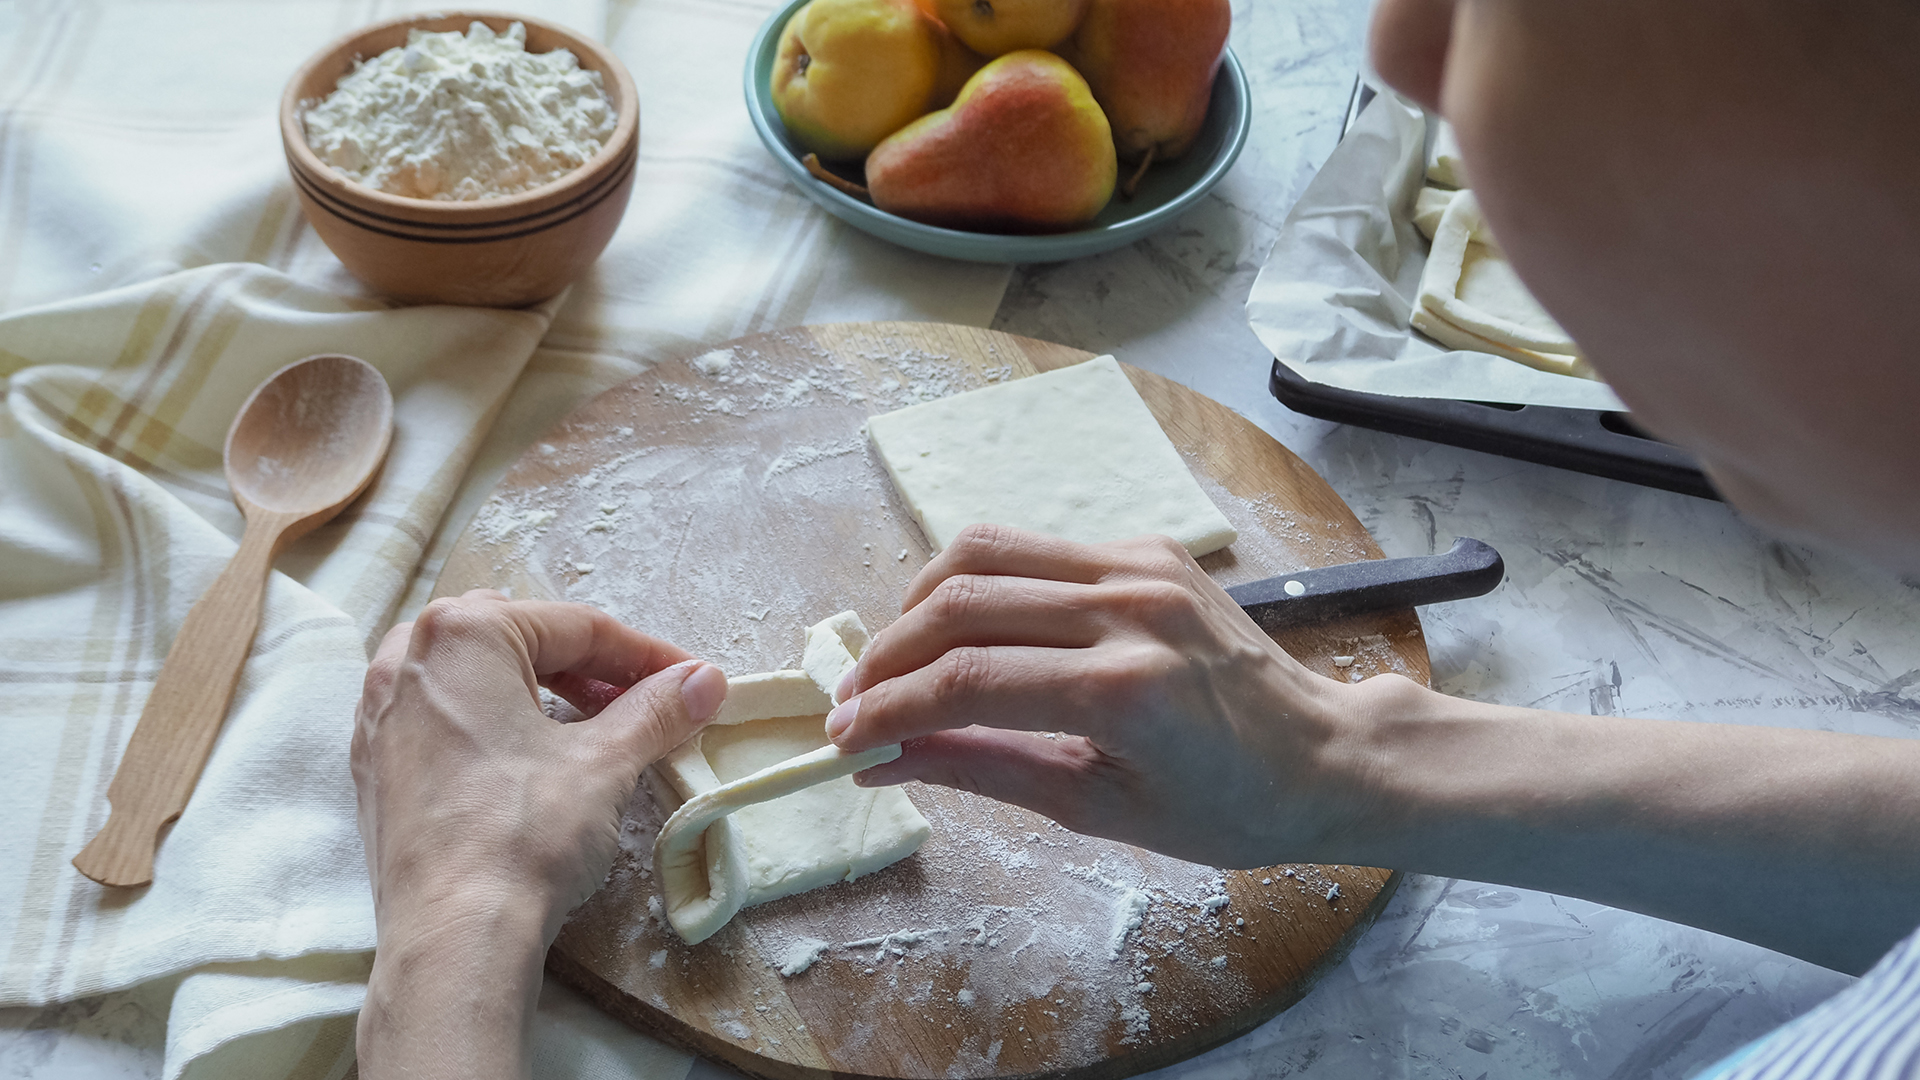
(1618, 601)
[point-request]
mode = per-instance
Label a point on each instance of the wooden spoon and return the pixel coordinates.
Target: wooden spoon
(306, 442)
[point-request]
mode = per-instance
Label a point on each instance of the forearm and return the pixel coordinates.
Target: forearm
(1805, 842)
(452, 994)
(485, 821)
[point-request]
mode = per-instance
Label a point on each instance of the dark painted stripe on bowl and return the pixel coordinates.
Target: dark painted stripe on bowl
(322, 200)
(552, 215)
(345, 208)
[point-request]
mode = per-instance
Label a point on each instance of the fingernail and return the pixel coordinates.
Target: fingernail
(846, 687)
(841, 718)
(703, 690)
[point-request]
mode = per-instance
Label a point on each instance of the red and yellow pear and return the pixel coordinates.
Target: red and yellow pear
(998, 27)
(1024, 148)
(848, 73)
(1151, 65)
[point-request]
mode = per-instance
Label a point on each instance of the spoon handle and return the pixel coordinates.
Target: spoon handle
(183, 714)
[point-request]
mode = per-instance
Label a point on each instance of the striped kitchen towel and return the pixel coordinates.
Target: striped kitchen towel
(114, 518)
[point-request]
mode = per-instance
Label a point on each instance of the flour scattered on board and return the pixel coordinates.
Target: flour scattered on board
(717, 362)
(801, 955)
(799, 457)
(1137, 1021)
(637, 503)
(512, 523)
(1128, 910)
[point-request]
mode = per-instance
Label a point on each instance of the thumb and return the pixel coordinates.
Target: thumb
(660, 711)
(1057, 777)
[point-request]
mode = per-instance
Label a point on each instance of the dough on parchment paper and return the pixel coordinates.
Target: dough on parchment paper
(1443, 158)
(770, 808)
(1073, 452)
(1471, 299)
(1429, 206)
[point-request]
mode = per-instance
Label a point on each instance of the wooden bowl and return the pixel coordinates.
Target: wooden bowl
(507, 251)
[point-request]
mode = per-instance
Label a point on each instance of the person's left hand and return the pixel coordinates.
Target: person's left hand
(486, 821)
(471, 795)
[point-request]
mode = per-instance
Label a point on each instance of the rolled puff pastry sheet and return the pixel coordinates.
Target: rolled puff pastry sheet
(1471, 299)
(1072, 452)
(770, 807)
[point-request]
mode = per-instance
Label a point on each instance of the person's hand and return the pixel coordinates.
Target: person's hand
(486, 821)
(467, 788)
(1183, 727)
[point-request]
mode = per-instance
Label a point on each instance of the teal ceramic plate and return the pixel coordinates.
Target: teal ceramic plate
(1165, 192)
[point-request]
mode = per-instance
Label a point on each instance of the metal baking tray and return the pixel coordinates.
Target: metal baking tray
(1583, 440)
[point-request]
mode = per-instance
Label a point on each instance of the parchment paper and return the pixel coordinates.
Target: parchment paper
(1334, 297)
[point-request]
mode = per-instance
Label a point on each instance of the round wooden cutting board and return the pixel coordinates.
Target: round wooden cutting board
(726, 503)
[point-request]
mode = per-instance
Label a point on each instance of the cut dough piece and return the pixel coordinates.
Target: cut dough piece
(1443, 160)
(704, 853)
(1454, 337)
(1073, 452)
(1428, 206)
(773, 693)
(769, 807)
(1471, 299)
(1468, 281)
(833, 648)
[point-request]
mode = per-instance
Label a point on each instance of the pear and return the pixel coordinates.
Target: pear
(1024, 148)
(998, 27)
(957, 64)
(1151, 64)
(848, 73)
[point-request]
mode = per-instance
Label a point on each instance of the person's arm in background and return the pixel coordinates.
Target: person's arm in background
(486, 821)
(1191, 733)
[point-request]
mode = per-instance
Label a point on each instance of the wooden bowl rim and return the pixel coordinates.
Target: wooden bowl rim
(620, 144)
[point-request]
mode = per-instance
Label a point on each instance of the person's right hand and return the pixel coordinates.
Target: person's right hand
(1185, 728)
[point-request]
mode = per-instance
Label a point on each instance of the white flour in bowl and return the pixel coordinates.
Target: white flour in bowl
(455, 117)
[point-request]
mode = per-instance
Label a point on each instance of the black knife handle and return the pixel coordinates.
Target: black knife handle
(1469, 568)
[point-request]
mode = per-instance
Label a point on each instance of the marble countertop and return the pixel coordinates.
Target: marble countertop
(1619, 600)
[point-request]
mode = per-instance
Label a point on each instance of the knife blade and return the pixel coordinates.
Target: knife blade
(1469, 568)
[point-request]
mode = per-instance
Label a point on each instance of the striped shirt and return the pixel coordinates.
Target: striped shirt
(1869, 1031)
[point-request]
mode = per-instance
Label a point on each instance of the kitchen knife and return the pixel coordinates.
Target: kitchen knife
(1469, 568)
